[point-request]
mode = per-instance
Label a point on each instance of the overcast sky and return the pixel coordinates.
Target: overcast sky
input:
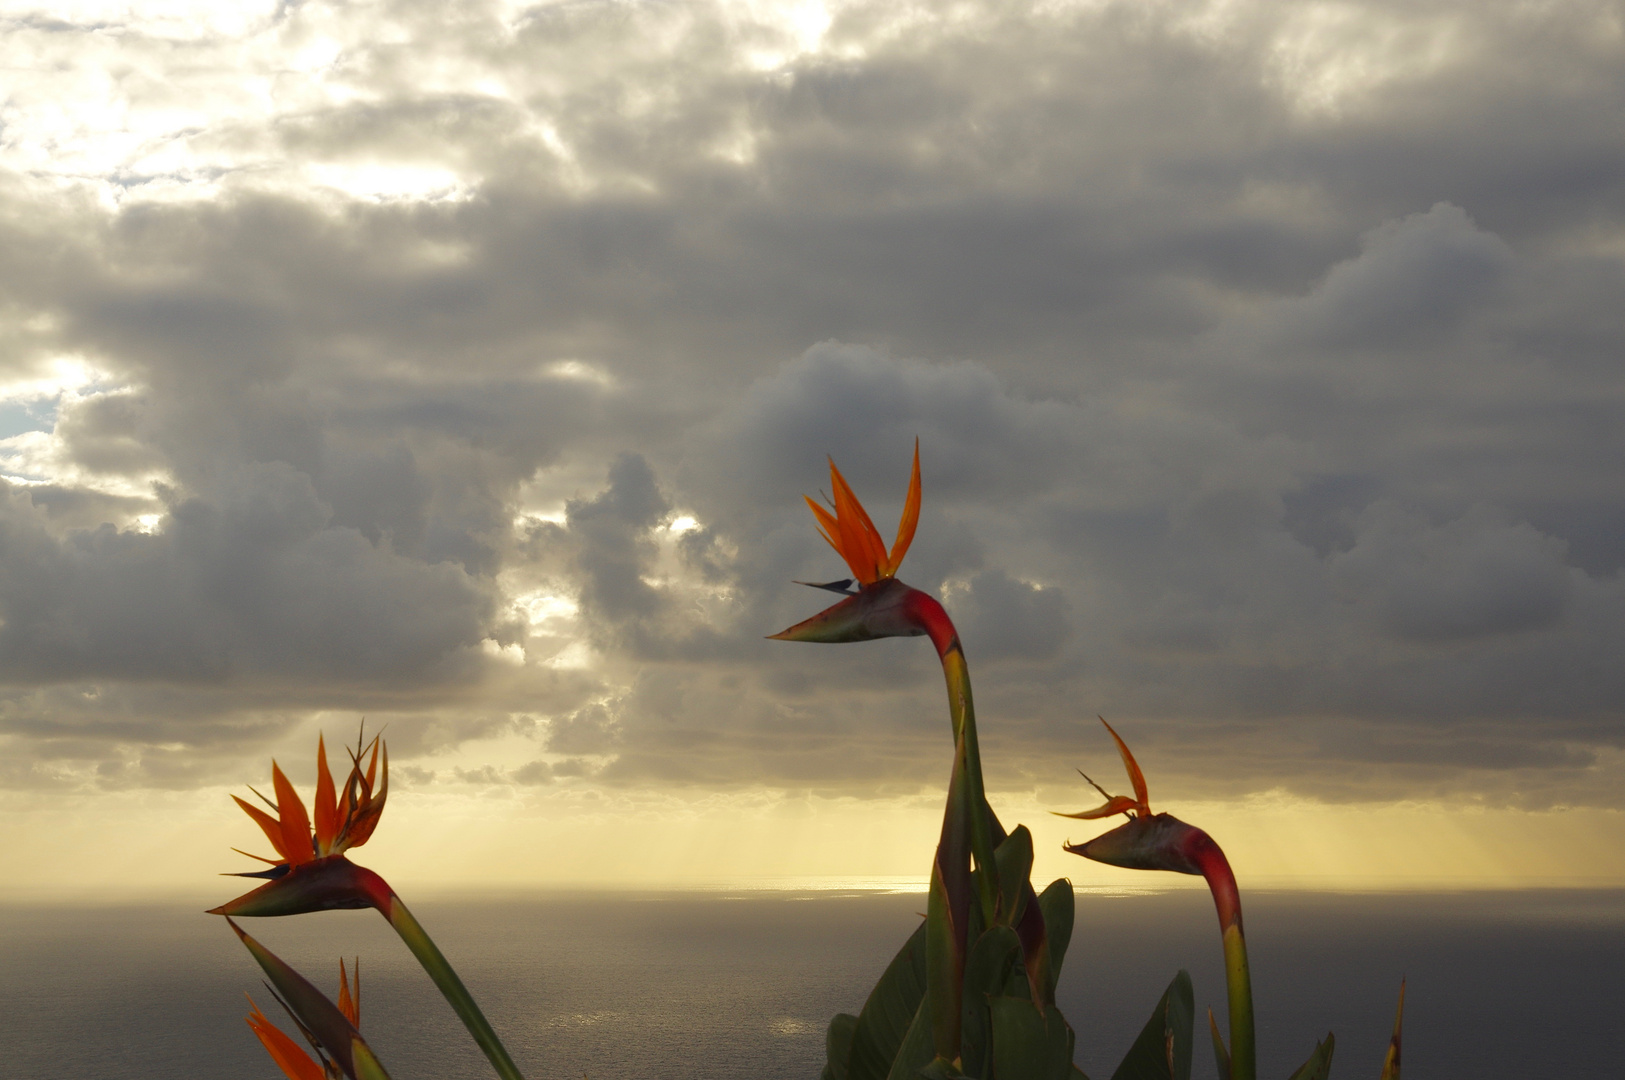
(462, 367)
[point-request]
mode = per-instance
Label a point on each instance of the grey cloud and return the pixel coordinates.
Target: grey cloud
(586, 731)
(254, 587)
(1471, 577)
(1298, 397)
(1007, 619)
(613, 530)
(534, 774)
(1414, 281)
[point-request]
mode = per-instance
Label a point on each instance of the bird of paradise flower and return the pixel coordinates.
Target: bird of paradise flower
(980, 875)
(313, 873)
(1149, 841)
(290, 1057)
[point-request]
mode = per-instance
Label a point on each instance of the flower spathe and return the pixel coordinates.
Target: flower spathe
(330, 1028)
(313, 874)
(1148, 841)
(289, 1056)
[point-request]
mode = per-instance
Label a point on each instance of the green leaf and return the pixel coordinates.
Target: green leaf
(1058, 904)
(1014, 859)
(938, 1069)
(838, 1046)
(1319, 1063)
(1027, 1045)
(886, 1016)
(944, 959)
(917, 1051)
(994, 957)
(1163, 1050)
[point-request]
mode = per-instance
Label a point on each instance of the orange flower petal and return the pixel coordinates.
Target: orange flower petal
(828, 527)
(272, 827)
(865, 552)
(289, 1056)
(1117, 804)
(1135, 776)
(910, 518)
(295, 821)
(327, 805)
(350, 1004)
(368, 809)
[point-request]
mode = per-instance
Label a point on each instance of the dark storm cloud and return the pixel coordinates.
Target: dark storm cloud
(1265, 371)
(259, 585)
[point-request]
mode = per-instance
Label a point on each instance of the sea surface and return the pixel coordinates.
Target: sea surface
(725, 984)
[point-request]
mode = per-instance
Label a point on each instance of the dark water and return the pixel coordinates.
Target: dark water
(684, 986)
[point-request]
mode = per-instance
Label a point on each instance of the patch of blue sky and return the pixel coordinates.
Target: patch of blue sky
(37, 414)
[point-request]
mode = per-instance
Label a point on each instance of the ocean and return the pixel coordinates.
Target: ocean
(740, 983)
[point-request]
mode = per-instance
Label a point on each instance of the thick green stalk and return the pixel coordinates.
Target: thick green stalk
(962, 715)
(434, 962)
(1238, 978)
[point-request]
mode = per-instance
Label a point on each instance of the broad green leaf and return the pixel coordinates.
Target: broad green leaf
(916, 1052)
(838, 1046)
(1029, 1046)
(1014, 858)
(996, 954)
(1058, 904)
(1319, 1063)
(887, 1014)
(1163, 1050)
(938, 1069)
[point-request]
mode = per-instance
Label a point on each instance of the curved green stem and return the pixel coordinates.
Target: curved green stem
(1221, 882)
(968, 762)
(462, 1002)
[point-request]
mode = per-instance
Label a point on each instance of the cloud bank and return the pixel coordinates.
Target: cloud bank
(465, 372)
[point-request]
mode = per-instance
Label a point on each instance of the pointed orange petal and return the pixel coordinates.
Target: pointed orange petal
(1117, 804)
(827, 526)
(1135, 776)
(860, 540)
(369, 809)
(289, 1056)
(295, 821)
(910, 519)
(261, 858)
(350, 1005)
(327, 804)
(272, 827)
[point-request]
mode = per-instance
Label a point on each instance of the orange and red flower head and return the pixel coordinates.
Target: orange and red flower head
(311, 873)
(1150, 841)
(880, 606)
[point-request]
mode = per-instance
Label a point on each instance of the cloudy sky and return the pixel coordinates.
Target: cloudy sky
(461, 368)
